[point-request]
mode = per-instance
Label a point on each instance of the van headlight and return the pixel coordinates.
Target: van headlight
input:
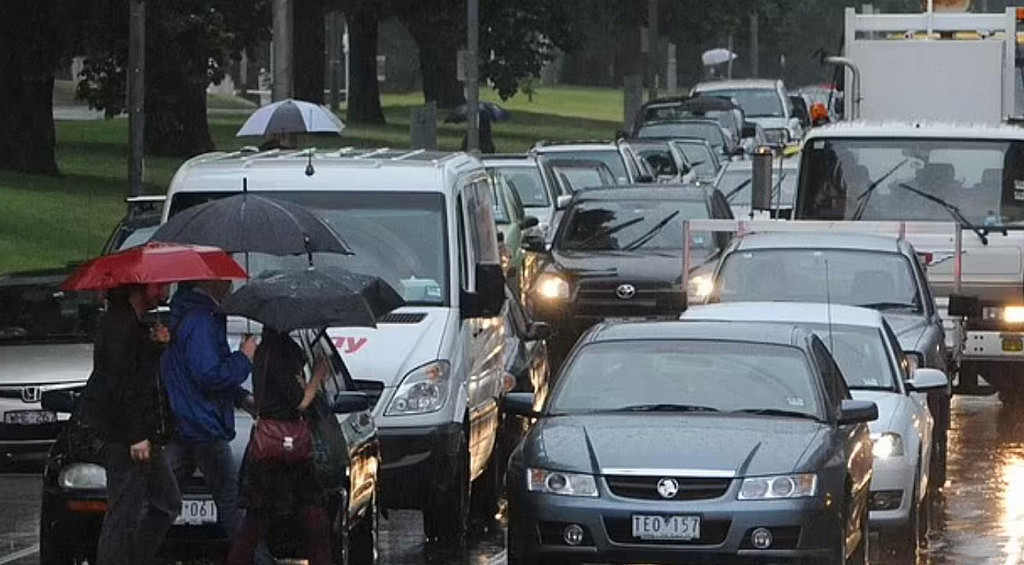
(423, 390)
(779, 487)
(701, 286)
(552, 287)
(887, 445)
(557, 482)
(82, 476)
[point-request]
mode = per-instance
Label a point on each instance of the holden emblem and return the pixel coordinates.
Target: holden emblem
(668, 488)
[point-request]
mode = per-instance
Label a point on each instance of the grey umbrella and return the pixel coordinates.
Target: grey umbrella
(290, 116)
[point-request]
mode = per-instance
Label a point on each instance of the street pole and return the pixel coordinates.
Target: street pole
(730, 56)
(652, 49)
(283, 18)
(136, 95)
(472, 66)
(333, 57)
(755, 48)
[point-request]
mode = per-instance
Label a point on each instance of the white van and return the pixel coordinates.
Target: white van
(423, 222)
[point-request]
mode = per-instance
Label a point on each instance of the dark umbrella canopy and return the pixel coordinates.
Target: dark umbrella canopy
(249, 223)
(488, 110)
(708, 104)
(309, 298)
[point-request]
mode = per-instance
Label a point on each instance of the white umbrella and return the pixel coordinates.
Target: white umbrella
(291, 116)
(717, 57)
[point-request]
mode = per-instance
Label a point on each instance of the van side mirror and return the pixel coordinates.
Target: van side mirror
(964, 306)
(534, 243)
(857, 412)
(349, 402)
(529, 222)
(538, 331)
(489, 298)
(60, 401)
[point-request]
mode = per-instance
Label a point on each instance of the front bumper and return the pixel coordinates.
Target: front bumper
(801, 529)
(414, 463)
(896, 474)
(993, 345)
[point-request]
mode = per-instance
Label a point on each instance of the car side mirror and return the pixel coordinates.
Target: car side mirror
(489, 297)
(534, 243)
(928, 380)
(964, 306)
(349, 402)
(857, 412)
(519, 404)
(562, 202)
(529, 222)
(60, 401)
(538, 331)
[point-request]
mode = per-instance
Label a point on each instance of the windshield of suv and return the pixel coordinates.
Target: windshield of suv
(756, 102)
(706, 376)
(736, 180)
(628, 225)
(884, 281)
(398, 236)
(35, 310)
(527, 182)
(983, 179)
(710, 132)
(610, 157)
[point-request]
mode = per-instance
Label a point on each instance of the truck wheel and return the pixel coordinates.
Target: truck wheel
(446, 516)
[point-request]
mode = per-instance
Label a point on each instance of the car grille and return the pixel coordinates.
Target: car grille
(712, 532)
(646, 488)
(599, 299)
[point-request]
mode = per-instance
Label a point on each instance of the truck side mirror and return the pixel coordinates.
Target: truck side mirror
(489, 297)
(964, 306)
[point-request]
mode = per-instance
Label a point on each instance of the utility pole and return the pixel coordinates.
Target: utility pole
(472, 68)
(731, 50)
(755, 48)
(136, 95)
(283, 19)
(652, 49)
(334, 57)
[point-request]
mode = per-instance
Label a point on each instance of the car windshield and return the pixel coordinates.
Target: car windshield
(701, 157)
(580, 177)
(711, 132)
(628, 225)
(35, 310)
(858, 278)
(659, 156)
(528, 183)
(398, 236)
(705, 375)
(861, 355)
(727, 118)
(610, 157)
(735, 185)
(756, 102)
(876, 179)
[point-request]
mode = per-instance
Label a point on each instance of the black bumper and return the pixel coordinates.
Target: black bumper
(414, 463)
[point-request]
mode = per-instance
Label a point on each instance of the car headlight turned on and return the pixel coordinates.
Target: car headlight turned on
(552, 287)
(779, 487)
(82, 476)
(887, 445)
(423, 390)
(701, 287)
(557, 482)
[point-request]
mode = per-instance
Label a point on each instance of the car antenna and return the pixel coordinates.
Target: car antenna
(828, 308)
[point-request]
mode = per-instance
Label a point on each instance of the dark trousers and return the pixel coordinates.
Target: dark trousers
(257, 523)
(220, 472)
(142, 502)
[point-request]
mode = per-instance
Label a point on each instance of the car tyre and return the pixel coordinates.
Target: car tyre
(515, 555)
(446, 516)
(905, 540)
(362, 539)
(54, 549)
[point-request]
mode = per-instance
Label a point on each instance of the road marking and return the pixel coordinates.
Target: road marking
(10, 557)
(499, 559)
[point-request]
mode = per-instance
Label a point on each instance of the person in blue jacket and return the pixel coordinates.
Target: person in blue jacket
(203, 378)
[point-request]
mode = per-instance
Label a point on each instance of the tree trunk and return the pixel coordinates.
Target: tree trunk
(438, 65)
(364, 92)
(28, 57)
(309, 66)
(176, 121)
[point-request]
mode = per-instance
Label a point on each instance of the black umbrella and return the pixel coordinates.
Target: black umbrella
(708, 104)
(249, 223)
(488, 110)
(310, 298)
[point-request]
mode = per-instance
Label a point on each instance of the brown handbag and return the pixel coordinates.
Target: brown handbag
(285, 442)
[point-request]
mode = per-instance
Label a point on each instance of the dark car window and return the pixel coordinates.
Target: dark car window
(894, 343)
(858, 278)
(528, 184)
(860, 353)
(756, 102)
(42, 313)
(720, 375)
(611, 158)
(834, 379)
(709, 131)
(627, 225)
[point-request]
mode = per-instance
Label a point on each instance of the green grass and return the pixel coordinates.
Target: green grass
(47, 221)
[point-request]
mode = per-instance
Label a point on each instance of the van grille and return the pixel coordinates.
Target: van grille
(402, 318)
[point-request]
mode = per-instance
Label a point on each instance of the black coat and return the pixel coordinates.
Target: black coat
(124, 401)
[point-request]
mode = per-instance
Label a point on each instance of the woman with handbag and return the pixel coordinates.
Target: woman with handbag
(277, 477)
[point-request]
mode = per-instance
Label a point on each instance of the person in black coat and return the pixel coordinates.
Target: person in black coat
(127, 411)
(271, 491)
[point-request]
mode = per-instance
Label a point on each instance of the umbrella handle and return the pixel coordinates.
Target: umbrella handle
(309, 250)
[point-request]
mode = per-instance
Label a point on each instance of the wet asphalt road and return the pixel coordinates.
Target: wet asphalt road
(978, 520)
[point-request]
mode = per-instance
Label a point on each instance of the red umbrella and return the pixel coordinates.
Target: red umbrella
(155, 263)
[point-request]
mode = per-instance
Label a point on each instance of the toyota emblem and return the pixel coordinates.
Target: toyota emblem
(625, 291)
(668, 488)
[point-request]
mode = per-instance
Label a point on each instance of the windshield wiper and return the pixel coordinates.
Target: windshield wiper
(735, 191)
(889, 306)
(953, 211)
(863, 205)
(607, 231)
(778, 412)
(643, 239)
(665, 408)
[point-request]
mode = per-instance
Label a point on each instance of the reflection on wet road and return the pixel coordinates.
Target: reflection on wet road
(979, 519)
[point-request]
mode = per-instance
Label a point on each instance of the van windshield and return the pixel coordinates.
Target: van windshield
(397, 236)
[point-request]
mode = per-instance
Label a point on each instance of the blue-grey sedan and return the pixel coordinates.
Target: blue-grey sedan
(695, 442)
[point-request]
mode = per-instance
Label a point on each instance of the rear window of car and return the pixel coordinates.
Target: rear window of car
(528, 184)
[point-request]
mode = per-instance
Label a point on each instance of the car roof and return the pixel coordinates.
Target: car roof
(682, 121)
(819, 240)
(916, 130)
(785, 312)
(640, 192)
(560, 146)
(509, 160)
(774, 334)
(735, 84)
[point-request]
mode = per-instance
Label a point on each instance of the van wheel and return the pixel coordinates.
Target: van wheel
(362, 538)
(446, 516)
